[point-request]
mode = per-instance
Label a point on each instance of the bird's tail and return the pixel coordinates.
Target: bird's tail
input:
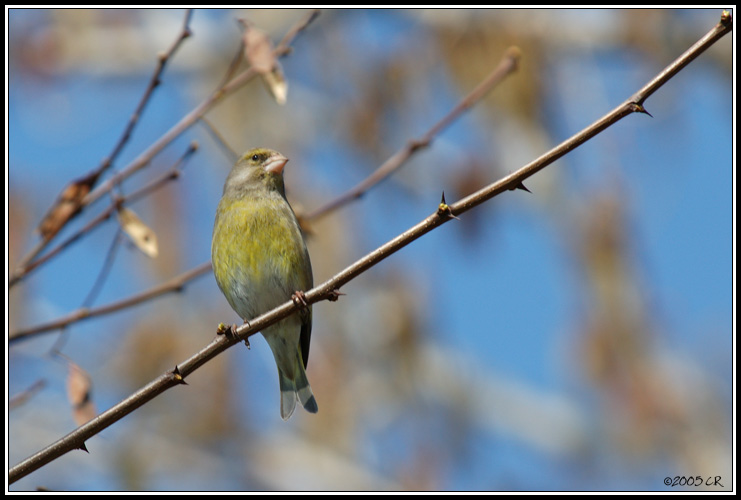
(291, 373)
(303, 389)
(287, 395)
(296, 388)
(293, 388)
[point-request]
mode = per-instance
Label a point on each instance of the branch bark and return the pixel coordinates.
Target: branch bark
(329, 289)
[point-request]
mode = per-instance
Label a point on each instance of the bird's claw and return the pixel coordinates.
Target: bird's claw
(246, 340)
(299, 298)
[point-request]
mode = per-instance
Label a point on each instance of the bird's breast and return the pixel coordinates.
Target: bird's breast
(258, 254)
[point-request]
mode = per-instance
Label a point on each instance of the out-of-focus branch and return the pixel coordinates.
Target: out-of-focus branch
(506, 66)
(162, 60)
(105, 270)
(186, 122)
(329, 289)
(55, 219)
(176, 284)
(172, 174)
(21, 398)
(232, 156)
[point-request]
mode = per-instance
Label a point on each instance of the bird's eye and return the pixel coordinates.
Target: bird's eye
(255, 157)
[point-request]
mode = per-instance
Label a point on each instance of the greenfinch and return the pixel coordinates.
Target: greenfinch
(260, 261)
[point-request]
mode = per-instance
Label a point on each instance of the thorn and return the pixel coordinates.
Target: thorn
(247, 343)
(443, 209)
(520, 185)
(178, 376)
(334, 295)
(640, 109)
(726, 18)
(83, 447)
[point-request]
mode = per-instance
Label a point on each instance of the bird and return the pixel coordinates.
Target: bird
(260, 261)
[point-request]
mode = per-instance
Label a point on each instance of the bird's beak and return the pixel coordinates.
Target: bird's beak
(275, 164)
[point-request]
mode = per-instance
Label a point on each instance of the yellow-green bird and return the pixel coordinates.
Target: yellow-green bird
(260, 260)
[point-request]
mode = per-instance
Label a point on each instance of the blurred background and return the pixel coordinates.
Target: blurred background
(576, 338)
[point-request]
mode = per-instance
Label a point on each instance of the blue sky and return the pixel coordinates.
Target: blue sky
(506, 292)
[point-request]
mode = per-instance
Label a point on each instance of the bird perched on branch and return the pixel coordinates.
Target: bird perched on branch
(260, 261)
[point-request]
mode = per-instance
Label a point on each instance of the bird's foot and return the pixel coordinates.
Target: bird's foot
(299, 298)
(246, 340)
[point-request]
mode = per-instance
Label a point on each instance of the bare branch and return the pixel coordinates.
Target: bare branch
(145, 157)
(154, 82)
(231, 155)
(176, 284)
(172, 174)
(188, 120)
(284, 47)
(329, 289)
(22, 397)
(52, 222)
(506, 66)
(104, 271)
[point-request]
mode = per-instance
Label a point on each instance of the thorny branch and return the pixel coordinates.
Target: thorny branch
(329, 289)
(506, 66)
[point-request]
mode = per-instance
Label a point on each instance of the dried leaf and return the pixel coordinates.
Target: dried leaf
(276, 83)
(258, 50)
(142, 236)
(79, 389)
(68, 205)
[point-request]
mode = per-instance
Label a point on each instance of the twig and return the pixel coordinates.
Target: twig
(328, 289)
(232, 155)
(155, 81)
(192, 117)
(21, 398)
(176, 284)
(155, 184)
(236, 61)
(104, 271)
(284, 47)
(186, 122)
(93, 176)
(170, 175)
(506, 66)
